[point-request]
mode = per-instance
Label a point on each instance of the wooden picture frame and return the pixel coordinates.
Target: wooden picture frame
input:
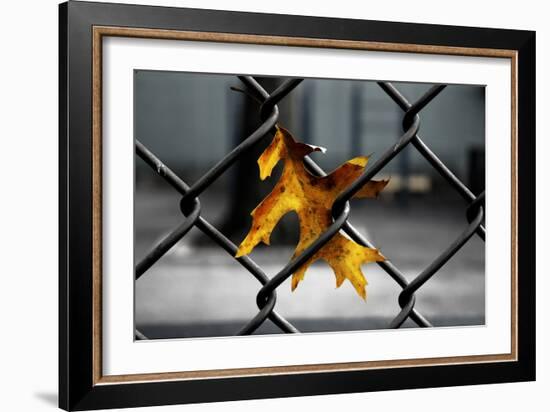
(82, 384)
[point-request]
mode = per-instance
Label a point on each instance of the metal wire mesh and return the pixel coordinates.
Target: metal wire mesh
(267, 295)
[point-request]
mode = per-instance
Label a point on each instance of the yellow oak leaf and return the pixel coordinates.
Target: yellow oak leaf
(311, 197)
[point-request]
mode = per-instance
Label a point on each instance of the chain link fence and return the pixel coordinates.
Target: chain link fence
(266, 297)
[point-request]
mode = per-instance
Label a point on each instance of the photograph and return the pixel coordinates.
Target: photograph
(214, 206)
(258, 205)
(273, 205)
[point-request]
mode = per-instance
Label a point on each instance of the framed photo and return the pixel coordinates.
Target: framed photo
(257, 205)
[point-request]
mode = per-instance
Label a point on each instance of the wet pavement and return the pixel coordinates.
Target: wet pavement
(197, 289)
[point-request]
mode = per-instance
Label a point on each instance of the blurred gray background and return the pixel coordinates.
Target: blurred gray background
(191, 121)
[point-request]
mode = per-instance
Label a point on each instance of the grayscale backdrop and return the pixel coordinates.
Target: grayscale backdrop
(190, 121)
